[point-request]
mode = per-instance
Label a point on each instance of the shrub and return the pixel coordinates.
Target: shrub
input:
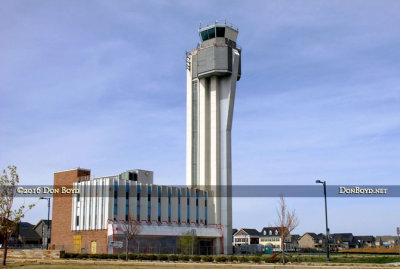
(66, 255)
(243, 259)
(142, 257)
(184, 257)
(173, 257)
(132, 256)
(122, 256)
(96, 256)
(83, 256)
(195, 258)
(221, 259)
(151, 257)
(233, 258)
(271, 260)
(208, 258)
(162, 257)
(74, 255)
(256, 259)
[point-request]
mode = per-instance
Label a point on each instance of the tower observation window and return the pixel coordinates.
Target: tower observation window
(220, 31)
(212, 32)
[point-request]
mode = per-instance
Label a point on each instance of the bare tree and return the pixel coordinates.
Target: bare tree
(287, 222)
(132, 229)
(9, 218)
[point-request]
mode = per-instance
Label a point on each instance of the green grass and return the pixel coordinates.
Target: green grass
(245, 260)
(69, 266)
(342, 258)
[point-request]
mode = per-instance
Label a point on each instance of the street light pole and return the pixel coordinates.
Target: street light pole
(326, 220)
(398, 235)
(48, 220)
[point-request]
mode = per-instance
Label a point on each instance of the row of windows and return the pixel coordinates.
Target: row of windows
(212, 32)
(87, 204)
(159, 204)
(270, 239)
(86, 192)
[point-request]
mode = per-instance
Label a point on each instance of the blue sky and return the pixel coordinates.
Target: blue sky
(101, 85)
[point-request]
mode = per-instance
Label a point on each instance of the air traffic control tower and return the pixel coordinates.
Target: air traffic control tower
(212, 71)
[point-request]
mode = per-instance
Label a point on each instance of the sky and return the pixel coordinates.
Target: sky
(102, 85)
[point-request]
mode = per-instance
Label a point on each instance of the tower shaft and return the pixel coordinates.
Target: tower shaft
(213, 70)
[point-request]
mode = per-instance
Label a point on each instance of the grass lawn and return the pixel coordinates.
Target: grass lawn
(70, 266)
(304, 259)
(345, 258)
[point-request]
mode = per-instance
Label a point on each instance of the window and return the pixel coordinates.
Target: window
(197, 206)
(188, 206)
(179, 205)
(115, 198)
(220, 31)
(138, 203)
(204, 35)
(211, 33)
(265, 233)
(77, 221)
(169, 205)
(148, 203)
(159, 203)
(126, 201)
(205, 208)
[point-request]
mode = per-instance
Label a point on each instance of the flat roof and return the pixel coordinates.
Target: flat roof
(78, 168)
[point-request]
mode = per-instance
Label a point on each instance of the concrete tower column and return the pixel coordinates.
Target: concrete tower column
(213, 69)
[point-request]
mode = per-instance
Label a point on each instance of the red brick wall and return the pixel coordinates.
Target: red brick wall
(61, 233)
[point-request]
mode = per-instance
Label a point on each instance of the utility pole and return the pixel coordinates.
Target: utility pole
(398, 235)
(326, 221)
(48, 221)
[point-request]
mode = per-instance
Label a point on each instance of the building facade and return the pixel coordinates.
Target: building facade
(212, 71)
(246, 237)
(311, 241)
(101, 207)
(271, 236)
(91, 218)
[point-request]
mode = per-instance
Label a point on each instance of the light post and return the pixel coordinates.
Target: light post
(326, 220)
(398, 235)
(193, 232)
(48, 220)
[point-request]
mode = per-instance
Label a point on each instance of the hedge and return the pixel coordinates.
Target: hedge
(171, 257)
(207, 258)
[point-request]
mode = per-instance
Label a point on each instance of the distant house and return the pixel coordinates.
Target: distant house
(363, 241)
(311, 241)
(233, 233)
(341, 241)
(293, 242)
(271, 236)
(26, 235)
(246, 237)
(386, 241)
(42, 229)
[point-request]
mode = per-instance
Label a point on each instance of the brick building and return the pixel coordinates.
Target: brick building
(92, 219)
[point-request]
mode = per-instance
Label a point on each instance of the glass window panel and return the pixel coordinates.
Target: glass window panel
(211, 33)
(220, 31)
(204, 35)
